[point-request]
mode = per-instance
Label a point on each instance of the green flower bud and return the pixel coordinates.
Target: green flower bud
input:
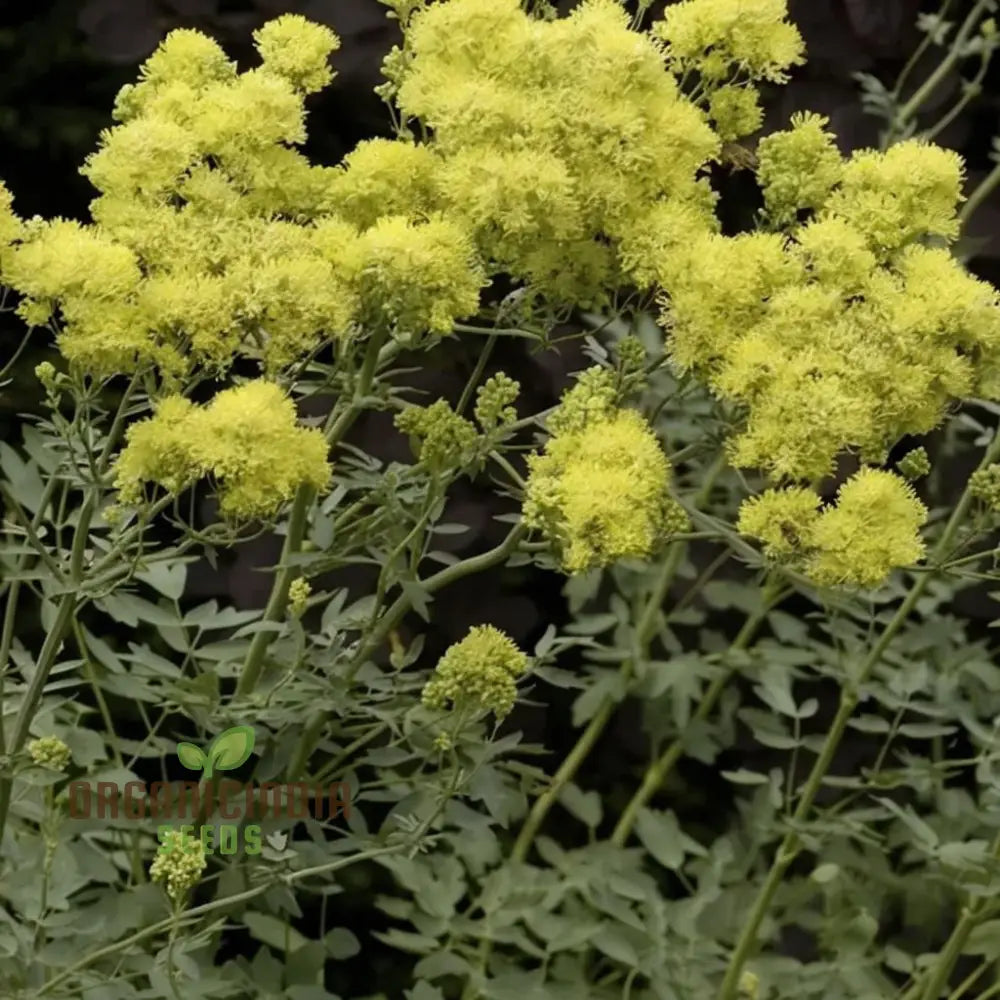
(914, 464)
(179, 864)
(49, 752)
(480, 671)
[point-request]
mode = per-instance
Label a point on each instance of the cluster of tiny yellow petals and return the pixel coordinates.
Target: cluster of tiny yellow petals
(716, 38)
(872, 528)
(298, 50)
(418, 277)
(246, 439)
(735, 111)
(478, 672)
(798, 168)
(839, 330)
(49, 752)
(599, 491)
(214, 237)
(549, 133)
(179, 864)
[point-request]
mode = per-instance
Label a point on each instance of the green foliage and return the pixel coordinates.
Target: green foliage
(755, 631)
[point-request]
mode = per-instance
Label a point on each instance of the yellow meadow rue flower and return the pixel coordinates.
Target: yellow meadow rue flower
(735, 111)
(479, 672)
(550, 133)
(246, 439)
(179, 864)
(798, 168)
(783, 520)
(49, 752)
(872, 528)
(297, 50)
(841, 332)
(418, 277)
(600, 490)
(713, 37)
(249, 440)
(385, 177)
(893, 197)
(10, 224)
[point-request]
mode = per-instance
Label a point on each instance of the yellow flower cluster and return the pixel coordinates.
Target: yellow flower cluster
(246, 439)
(873, 527)
(480, 672)
(600, 490)
(565, 145)
(214, 236)
(179, 864)
(562, 153)
(49, 752)
(844, 330)
(720, 38)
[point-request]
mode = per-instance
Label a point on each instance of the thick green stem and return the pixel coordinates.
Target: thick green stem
(790, 844)
(47, 657)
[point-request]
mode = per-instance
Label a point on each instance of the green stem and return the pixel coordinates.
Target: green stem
(979, 195)
(790, 845)
(913, 105)
(197, 912)
(645, 629)
(253, 665)
(277, 602)
(971, 916)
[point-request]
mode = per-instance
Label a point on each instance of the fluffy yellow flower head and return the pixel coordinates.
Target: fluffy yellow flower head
(716, 37)
(479, 672)
(298, 50)
(246, 439)
(418, 277)
(205, 243)
(872, 528)
(843, 331)
(600, 490)
(552, 133)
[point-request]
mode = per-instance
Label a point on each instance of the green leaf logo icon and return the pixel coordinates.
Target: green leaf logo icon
(227, 751)
(191, 756)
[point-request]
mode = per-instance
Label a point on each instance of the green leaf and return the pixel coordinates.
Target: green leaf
(191, 756)
(825, 873)
(273, 932)
(585, 806)
(231, 748)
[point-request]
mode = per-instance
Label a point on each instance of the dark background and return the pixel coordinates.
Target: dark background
(62, 64)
